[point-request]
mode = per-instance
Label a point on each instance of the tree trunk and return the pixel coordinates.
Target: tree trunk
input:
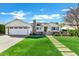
(78, 30)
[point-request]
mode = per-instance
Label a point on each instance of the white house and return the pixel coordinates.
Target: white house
(51, 28)
(18, 27)
(48, 28)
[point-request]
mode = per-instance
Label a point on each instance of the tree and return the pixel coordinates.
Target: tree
(72, 17)
(2, 29)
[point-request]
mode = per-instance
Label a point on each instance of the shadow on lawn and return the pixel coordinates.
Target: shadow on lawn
(18, 36)
(30, 36)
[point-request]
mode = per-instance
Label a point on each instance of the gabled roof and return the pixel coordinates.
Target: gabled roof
(17, 22)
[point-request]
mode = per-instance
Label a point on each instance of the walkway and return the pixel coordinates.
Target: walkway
(7, 41)
(62, 48)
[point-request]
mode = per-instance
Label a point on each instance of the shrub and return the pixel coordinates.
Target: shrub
(72, 32)
(56, 33)
(2, 29)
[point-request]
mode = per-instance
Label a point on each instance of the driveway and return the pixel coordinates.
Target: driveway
(8, 41)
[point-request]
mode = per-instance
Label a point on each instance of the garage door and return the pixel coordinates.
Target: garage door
(19, 31)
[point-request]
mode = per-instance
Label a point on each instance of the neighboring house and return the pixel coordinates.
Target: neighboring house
(68, 26)
(19, 27)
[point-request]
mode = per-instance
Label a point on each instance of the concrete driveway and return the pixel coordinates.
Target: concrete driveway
(8, 41)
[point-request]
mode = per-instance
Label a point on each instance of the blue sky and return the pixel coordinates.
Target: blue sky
(42, 12)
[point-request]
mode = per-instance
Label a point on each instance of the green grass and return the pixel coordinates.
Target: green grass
(31, 46)
(71, 42)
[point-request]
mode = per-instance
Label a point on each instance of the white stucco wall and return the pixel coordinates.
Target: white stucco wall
(6, 30)
(40, 30)
(50, 28)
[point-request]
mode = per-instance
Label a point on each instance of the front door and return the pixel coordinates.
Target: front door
(45, 29)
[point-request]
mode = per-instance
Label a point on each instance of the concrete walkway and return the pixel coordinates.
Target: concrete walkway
(62, 48)
(7, 41)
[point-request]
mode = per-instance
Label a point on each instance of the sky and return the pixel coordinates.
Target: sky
(42, 12)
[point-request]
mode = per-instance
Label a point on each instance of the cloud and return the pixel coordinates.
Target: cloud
(57, 16)
(65, 10)
(52, 16)
(41, 21)
(41, 9)
(3, 13)
(19, 14)
(16, 14)
(40, 17)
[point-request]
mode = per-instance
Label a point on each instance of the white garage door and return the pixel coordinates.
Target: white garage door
(19, 31)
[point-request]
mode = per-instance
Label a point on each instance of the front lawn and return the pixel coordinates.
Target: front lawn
(31, 46)
(71, 42)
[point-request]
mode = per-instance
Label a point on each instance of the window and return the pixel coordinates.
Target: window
(57, 28)
(11, 27)
(15, 27)
(20, 27)
(53, 28)
(26, 27)
(38, 28)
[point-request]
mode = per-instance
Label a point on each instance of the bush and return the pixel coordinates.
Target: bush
(64, 32)
(56, 33)
(2, 29)
(72, 32)
(35, 36)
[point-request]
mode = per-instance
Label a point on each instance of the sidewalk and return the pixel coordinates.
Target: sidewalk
(65, 51)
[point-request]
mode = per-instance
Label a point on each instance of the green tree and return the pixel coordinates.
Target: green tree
(2, 29)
